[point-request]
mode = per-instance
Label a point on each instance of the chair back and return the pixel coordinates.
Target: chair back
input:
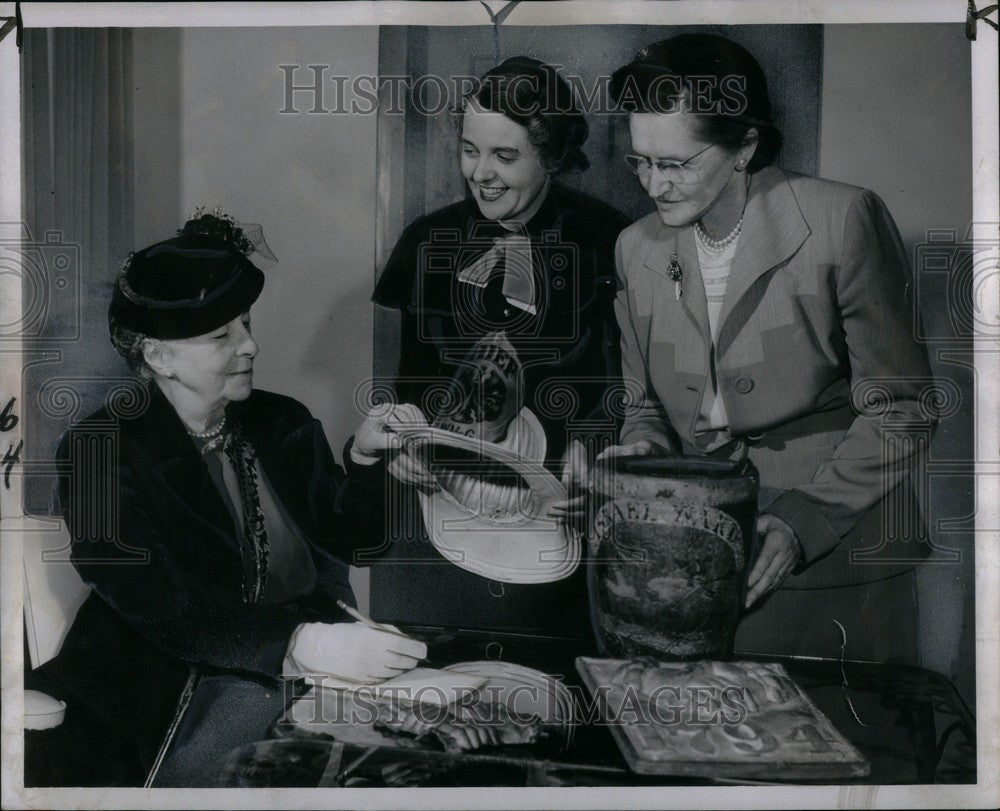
(53, 591)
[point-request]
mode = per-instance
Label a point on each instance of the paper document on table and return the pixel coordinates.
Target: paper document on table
(422, 685)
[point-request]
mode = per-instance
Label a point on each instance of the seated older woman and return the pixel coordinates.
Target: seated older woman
(211, 527)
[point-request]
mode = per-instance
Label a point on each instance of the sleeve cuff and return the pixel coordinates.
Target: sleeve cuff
(290, 668)
(271, 658)
(374, 472)
(814, 532)
(661, 443)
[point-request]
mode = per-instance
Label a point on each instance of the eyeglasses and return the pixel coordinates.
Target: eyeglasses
(671, 170)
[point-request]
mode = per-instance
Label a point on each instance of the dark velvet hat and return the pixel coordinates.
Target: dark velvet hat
(190, 284)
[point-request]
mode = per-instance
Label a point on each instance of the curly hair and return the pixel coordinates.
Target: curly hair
(533, 94)
(128, 343)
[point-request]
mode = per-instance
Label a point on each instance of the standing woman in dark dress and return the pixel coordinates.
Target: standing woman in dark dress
(459, 274)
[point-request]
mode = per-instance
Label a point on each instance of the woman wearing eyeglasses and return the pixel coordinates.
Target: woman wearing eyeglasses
(765, 313)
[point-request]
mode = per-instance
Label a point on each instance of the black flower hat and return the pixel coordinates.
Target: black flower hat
(193, 283)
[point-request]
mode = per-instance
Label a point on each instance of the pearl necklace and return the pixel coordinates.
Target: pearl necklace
(718, 245)
(211, 438)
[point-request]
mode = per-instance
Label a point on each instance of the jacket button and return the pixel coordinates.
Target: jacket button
(744, 385)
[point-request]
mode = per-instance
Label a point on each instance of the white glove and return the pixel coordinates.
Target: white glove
(351, 651)
(377, 438)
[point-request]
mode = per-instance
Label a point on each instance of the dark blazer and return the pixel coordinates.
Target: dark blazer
(569, 350)
(817, 363)
(152, 536)
(570, 353)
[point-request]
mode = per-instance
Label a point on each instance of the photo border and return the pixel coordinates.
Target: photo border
(986, 212)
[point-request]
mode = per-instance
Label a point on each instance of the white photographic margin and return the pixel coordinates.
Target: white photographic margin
(986, 211)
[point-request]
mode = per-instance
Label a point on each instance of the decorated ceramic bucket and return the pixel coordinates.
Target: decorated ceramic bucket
(669, 551)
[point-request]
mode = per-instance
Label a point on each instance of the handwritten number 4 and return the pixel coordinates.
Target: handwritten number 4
(10, 459)
(8, 422)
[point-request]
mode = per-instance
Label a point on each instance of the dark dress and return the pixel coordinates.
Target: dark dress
(570, 356)
(167, 579)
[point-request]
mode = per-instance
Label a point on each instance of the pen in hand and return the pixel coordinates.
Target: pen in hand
(369, 621)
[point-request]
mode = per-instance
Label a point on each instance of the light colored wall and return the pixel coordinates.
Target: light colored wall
(310, 181)
(896, 118)
(156, 121)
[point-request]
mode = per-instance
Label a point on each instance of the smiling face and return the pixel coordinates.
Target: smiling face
(714, 183)
(208, 370)
(500, 164)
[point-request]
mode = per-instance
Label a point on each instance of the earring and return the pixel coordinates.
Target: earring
(740, 164)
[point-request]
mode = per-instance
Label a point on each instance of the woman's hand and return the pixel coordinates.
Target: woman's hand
(779, 554)
(352, 651)
(644, 447)
(377, 438)
(575, 478)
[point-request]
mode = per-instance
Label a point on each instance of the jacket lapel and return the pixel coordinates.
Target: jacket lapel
(690, 348)
(279, 447)
(774, 229)
(662, 248)
(175, 461)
